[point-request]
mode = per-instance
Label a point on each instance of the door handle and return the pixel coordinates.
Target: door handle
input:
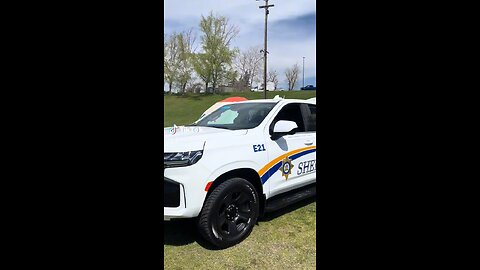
(308, 142)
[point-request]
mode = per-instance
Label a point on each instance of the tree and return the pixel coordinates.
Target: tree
(247, 64)
(213, 63)
(177, 54)
(164, 58)
(185, 42)
(170, 59)
(273, 77)
(292, 76)
(202, 68)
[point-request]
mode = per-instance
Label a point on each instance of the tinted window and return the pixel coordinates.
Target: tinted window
(311, 117)
(290, 112)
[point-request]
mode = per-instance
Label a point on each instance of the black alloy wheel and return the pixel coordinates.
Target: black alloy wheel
(229, 213)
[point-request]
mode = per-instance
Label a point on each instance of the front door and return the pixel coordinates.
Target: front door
(292, 157)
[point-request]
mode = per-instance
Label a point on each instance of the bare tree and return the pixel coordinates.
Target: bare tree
(273, 77)
(292, 76)
(248, 65)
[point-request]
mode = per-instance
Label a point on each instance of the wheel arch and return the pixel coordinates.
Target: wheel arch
(248, 174)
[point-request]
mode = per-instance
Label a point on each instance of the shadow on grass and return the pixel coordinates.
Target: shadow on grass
(179, 232)
(288, 209)
(184, 232)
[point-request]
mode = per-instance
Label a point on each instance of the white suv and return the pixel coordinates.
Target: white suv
(243, 159)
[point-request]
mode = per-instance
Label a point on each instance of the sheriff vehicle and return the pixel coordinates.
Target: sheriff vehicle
(238, 162)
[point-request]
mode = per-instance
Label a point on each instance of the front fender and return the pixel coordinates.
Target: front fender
(244, 164)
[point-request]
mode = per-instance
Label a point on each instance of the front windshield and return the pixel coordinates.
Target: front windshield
(237, 116)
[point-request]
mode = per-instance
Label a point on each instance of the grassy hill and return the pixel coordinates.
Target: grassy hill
(281, 240)
(181, 110)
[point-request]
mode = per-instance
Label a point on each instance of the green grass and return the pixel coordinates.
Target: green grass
(282, 240)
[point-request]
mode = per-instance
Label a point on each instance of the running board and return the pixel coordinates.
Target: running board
(291, 197)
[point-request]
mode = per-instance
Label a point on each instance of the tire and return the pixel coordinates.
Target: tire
(229, 213)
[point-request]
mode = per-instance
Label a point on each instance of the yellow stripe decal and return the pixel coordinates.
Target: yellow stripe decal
(275, 161)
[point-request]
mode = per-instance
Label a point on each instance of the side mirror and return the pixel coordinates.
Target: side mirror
(282, 128)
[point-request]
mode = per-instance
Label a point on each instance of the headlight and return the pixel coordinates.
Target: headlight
(181, 159)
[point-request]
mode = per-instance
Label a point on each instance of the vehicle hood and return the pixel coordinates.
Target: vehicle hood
(191, 138)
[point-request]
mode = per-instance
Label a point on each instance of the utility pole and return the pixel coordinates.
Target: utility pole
(303, 71)
(266, 6)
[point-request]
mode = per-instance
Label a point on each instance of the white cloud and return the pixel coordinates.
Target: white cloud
(283, 51)
(241, 11)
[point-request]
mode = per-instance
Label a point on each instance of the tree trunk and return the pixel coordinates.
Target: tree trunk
(184, 87)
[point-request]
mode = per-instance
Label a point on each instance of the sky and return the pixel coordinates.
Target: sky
(291, 29)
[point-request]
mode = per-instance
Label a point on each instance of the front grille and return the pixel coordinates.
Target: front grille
(171, 193)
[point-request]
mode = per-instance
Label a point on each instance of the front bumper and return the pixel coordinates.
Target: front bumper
(184, 191)
(174, 199)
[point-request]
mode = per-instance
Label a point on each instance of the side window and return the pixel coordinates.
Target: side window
(290, 112)
(311, 117)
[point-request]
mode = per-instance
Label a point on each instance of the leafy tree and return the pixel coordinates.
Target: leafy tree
(202, 68)
(213, 63)
(185, 42)
(171, 58)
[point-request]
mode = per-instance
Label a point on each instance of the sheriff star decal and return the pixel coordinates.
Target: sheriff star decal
(286, 168)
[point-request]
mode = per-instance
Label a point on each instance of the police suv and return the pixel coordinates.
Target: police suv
(238, 162)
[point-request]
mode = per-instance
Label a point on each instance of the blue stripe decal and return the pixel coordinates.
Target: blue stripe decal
(302, 153)
(275, 168)
(270, 172)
